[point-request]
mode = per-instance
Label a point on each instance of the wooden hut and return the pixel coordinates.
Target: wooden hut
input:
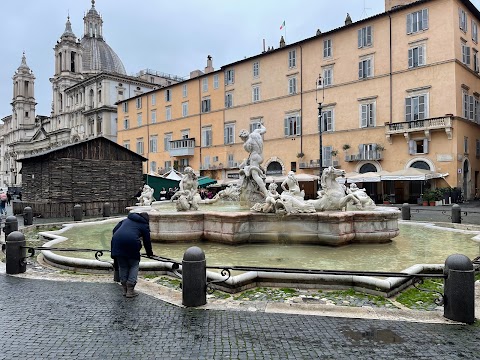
(89, 173)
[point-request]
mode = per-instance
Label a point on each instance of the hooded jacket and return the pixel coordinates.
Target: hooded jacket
(126, 237)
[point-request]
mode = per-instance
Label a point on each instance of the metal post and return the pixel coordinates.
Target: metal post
(459, 297)
(15, 253)
(406, 211)
(77, 212)
(11, 225)
(106, 210)
(194, 277)
(27, 216)
(456, 214)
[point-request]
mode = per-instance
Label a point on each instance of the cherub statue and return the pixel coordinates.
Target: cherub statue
(146, 197)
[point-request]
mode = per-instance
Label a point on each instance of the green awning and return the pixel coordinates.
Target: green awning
(203, 181)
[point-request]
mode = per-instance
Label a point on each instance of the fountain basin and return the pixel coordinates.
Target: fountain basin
(333, 228)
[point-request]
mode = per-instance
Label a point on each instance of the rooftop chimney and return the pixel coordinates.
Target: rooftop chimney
(209, 67)
(390, 4)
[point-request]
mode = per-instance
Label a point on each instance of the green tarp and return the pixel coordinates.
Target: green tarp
(204, 181)
(157, 183)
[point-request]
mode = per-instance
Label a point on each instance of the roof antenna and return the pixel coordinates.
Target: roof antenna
(364, 13)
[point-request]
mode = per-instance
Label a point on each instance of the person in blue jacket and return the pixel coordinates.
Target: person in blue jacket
(126, 247)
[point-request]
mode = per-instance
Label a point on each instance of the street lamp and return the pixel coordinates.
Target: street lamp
(319, 85)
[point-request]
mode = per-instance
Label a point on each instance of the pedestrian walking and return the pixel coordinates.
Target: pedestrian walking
(3, 203)
(126, 245)
(9, 197)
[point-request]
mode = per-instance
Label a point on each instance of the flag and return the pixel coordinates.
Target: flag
(283, 25)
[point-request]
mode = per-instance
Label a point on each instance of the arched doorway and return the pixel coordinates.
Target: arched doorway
(274, 168)
(416, 188)
(370, 187)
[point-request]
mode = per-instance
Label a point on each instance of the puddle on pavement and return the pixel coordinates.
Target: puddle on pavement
(383, 335)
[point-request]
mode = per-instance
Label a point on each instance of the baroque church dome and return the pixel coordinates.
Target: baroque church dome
(98, 56)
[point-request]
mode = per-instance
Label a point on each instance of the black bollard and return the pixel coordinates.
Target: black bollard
(406, 211)
(106, 210)
(15, 253)
(456, 214)
(27, 216)
(459, 288)
(194, 277)
(77, 212)
(11, 225)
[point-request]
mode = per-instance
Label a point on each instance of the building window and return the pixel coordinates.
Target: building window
(186, 134)
(477, 148)
(206, 105)
(229, 134)
(256, 93)
(154, 99)
(367, 115)
(418, 146)
(166, 141)
(417, 21)
(465, 144)
(365, 68)
(416, 56)
(168, 165)
(185, 108)
(292, 85)
(125, 107)
(154, 116)
(153, 166)
(327, 156)
(255, 124)
(292, 58)
(462, 20)
(465, 54)
(140, 146)
(229, 77)
(153, 144)
(168, 113)
(292, 125)
(126, 145)
(365, 37)
(168, 95)
(327, 48)
(207, 136)
(138, 103)
(327, 120)
(205, 84)
(416, 108)
(474, 32)
(229, 99)
(215, 81)
(184, 90)
(256, 69)
(139, 119)
(470, 107)
(327, 76)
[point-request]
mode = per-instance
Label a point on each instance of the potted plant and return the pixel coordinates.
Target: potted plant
(386, 199)
(380, 147)
(300, 155)
(345, 147)
(334, 153)
(426, 196)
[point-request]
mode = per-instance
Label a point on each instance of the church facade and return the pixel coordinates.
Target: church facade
(89, 78)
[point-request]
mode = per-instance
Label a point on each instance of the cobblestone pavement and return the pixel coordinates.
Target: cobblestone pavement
(44, 319)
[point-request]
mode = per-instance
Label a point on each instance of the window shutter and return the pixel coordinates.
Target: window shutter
(360, 70)
(425, 146)
(421, 59)
(424, 19)
(369, 68)
(299, 125)
(225, 136)
(410, 58)
(361, 151)
(421, 107)
(409, 23)
(369, 35)
(286, 126)
(408, 109)
(233, 76)
(226, 77)
(467, 48)
(460, 18)
(360, 38)
(411, 147)
(363, 115)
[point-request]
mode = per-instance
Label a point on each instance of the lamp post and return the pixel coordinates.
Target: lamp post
(320, 121)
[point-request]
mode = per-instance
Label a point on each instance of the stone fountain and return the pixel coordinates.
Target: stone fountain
(338, 216)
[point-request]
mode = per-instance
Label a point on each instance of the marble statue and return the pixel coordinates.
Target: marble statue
(270, 201)
(333, 195)
(146, 197)
(230, 193)
(251, 171)
(187, 196)
(361, 194)
(290, 185)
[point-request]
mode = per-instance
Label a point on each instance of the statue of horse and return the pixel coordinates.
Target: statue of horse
(333, 195)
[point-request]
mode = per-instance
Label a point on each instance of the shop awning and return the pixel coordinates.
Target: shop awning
(203, 181)
(413, 174)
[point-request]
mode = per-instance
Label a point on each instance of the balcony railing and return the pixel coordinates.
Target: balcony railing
(368, 155)
(183, 147)
(315, 164)
(425, 125)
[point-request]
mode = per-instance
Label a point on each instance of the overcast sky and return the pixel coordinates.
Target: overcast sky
(173, 37)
